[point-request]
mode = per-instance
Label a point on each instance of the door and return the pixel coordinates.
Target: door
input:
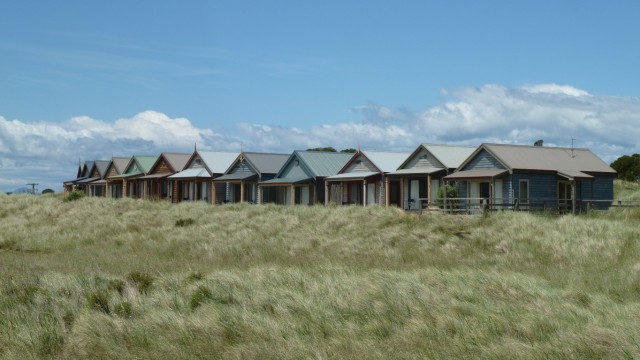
(371, 194)
(497, 193)
(414, 195)
(435, 186)
(304, 195)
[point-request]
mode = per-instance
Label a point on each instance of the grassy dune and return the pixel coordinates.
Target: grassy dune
(98, 278)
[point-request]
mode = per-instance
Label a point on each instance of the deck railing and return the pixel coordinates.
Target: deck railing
(480, 205)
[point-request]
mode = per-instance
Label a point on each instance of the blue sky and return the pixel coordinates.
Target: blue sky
(81, 79)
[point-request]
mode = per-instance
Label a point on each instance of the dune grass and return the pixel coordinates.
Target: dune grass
(100, 278)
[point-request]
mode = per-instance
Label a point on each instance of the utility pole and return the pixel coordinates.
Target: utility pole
(33, 187)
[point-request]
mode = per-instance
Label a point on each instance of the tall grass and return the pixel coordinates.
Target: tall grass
(99, 278)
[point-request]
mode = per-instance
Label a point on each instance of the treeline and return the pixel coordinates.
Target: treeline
(628, 167)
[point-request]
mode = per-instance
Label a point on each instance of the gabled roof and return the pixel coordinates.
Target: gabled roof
(318, 163)
(120, 163)
(264, 163)
(451, 156)
(217, 162)
(143, 164)
(101, 166)
(565, 162)
(86, 168)
(543, 158)
(385, 161)
(175, 161)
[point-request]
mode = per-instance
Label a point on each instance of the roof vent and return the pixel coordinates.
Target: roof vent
(538, 143)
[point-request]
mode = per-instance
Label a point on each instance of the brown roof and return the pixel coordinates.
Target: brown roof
(177, 160)
(521, 157)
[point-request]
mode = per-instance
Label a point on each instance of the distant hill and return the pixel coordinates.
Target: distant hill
(22, 190)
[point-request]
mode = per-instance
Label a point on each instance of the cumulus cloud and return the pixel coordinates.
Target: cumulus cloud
(490, 113)
(45, 150)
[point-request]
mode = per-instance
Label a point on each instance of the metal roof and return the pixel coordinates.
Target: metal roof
(191, 173)
(218, 161)
(176, 161)
(417, 171)
(524, 157)
(237, 176)
(266, 163)
(322, 163)
(450, 156)
(360, 175)
(286, 181)
(120, 163)
(144, 163)
(475, 174)
(102, 166)
(386, 161)
(86, 180)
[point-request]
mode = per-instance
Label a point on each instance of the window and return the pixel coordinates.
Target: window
(523, 192)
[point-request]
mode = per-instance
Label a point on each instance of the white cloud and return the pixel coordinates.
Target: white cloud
(51, 151)
(491, 113)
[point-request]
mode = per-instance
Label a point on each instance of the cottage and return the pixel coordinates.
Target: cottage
(421, 173)
(195, 181)
(364, 180)
(96, 184)
(301, 180)
(244, 174)
(114, 182)
(132, 185)
(156, 181)
(553, 178)
(72, 185)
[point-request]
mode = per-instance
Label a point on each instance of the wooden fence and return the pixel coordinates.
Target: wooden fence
(480, 205)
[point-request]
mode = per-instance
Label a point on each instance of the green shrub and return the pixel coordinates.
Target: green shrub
(75, 195)
(142, 280)
(117, 285)
(123, 309)
(185, 222)
(99, 300)
(201, 295)
(452, 193)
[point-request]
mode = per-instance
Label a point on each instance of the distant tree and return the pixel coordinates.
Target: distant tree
(47, 191)
(628, 167)
(326, 149)
(349, 150)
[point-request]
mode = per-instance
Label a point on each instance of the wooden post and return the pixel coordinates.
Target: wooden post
(260, 194)
(386, 191)
(364, 192)
(573, 197)
(402, 193)
(241, 192)
(326, 193)
(429, 200)
(293, 195)
(214, 195)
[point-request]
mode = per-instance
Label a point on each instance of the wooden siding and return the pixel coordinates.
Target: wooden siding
(360, 164)
(542, 186)
(95, 173)
(294, 170)
(423, 159)
(112, 172)
(196, 163)
(163, 168)
(242, 168)
(483, 160)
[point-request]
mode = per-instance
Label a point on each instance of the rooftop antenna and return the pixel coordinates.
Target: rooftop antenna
(195, 146)
(33, 187)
